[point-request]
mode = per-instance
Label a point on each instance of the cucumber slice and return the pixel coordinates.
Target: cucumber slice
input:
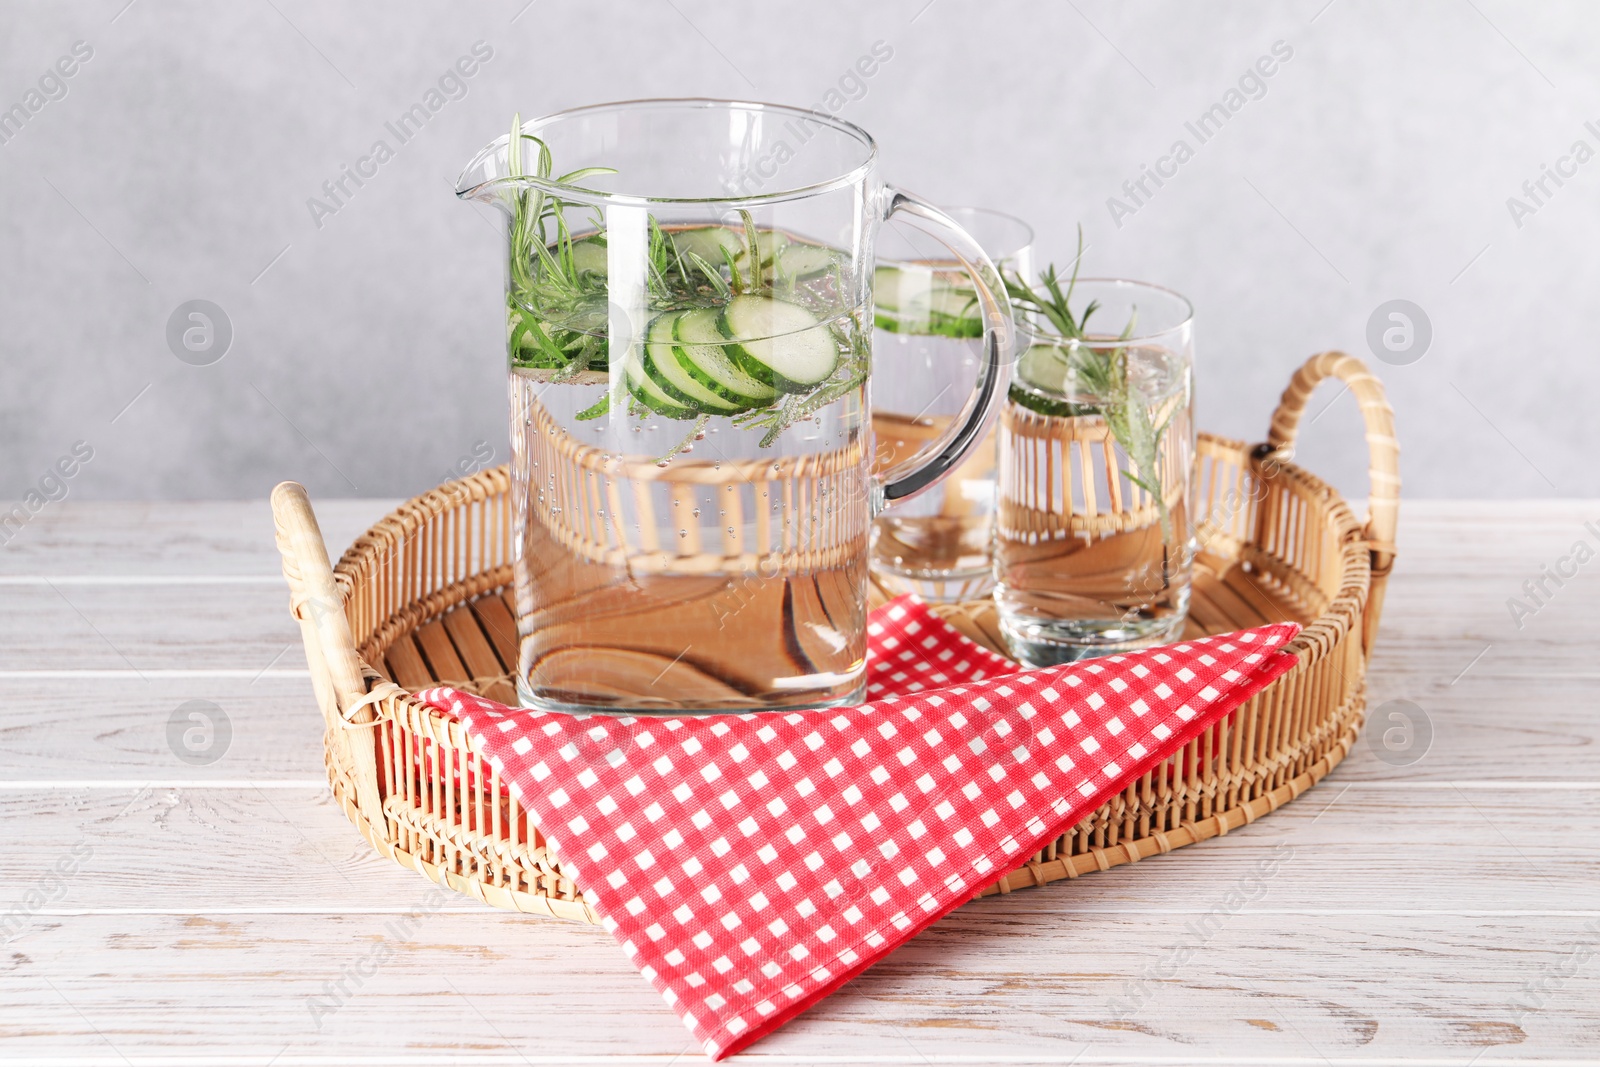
(589, 257)
(1041, 383)
(772, 243)
(916, 300)
(1044, 367)
(707, 242)
(797, 260)
(662, 366)
(897, 291)
(969, 324)
(961, 328)
(778, 343)
(954, 302)
(772, 240)
(650, 395)
(701, 354)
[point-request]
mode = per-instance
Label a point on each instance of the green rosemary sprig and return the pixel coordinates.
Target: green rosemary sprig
(557, 290)
(558, 308)
(1100, 372)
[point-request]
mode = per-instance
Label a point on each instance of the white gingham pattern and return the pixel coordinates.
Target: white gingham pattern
(750, 864)
(909, 650)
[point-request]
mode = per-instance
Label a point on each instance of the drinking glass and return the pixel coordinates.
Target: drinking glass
(927, 355)
(1093, 542)
(688, 290)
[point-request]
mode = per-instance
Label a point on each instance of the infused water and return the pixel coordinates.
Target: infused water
(689, 535)
(1088, 558)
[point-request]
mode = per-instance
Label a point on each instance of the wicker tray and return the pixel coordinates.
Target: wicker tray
(423, 597)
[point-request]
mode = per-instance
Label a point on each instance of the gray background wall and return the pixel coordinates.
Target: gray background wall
(366, 357)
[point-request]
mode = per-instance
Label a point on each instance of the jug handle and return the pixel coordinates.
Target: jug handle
(908, 479)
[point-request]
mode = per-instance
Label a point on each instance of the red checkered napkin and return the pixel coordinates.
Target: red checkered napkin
(751, 864)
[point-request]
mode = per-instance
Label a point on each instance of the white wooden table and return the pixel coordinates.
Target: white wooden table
(161, 911)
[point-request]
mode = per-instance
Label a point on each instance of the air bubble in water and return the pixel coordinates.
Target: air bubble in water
(695, 513)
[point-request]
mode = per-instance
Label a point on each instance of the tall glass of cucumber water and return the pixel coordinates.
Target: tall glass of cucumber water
(927, 347)
(690, 349)
(1094, 541)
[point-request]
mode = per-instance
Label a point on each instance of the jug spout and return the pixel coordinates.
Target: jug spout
(487, 179)
(519, 163)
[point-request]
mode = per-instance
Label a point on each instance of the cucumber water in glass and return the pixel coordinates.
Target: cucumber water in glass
(926, 346)
(1094, 541)
(689, 347)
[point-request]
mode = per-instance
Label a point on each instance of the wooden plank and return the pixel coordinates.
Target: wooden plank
(1490, 538)
(443, 662)
(1459, 563)
(152, 538)
(478, 654)
(67, 729)
(1218, 608)
(134, 628)
(1484, 728)
(406, 665)
(1247, 588)
(990, 984)
(1377, 847)
(501, 626)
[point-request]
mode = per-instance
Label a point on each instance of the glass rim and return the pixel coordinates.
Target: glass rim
(955, 211)
(1182, 301)
(578, 194)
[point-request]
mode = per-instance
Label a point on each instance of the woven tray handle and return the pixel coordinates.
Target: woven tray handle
(1383, 503)
(315, 600)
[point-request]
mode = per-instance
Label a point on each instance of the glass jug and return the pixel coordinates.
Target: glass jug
(689, 329)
